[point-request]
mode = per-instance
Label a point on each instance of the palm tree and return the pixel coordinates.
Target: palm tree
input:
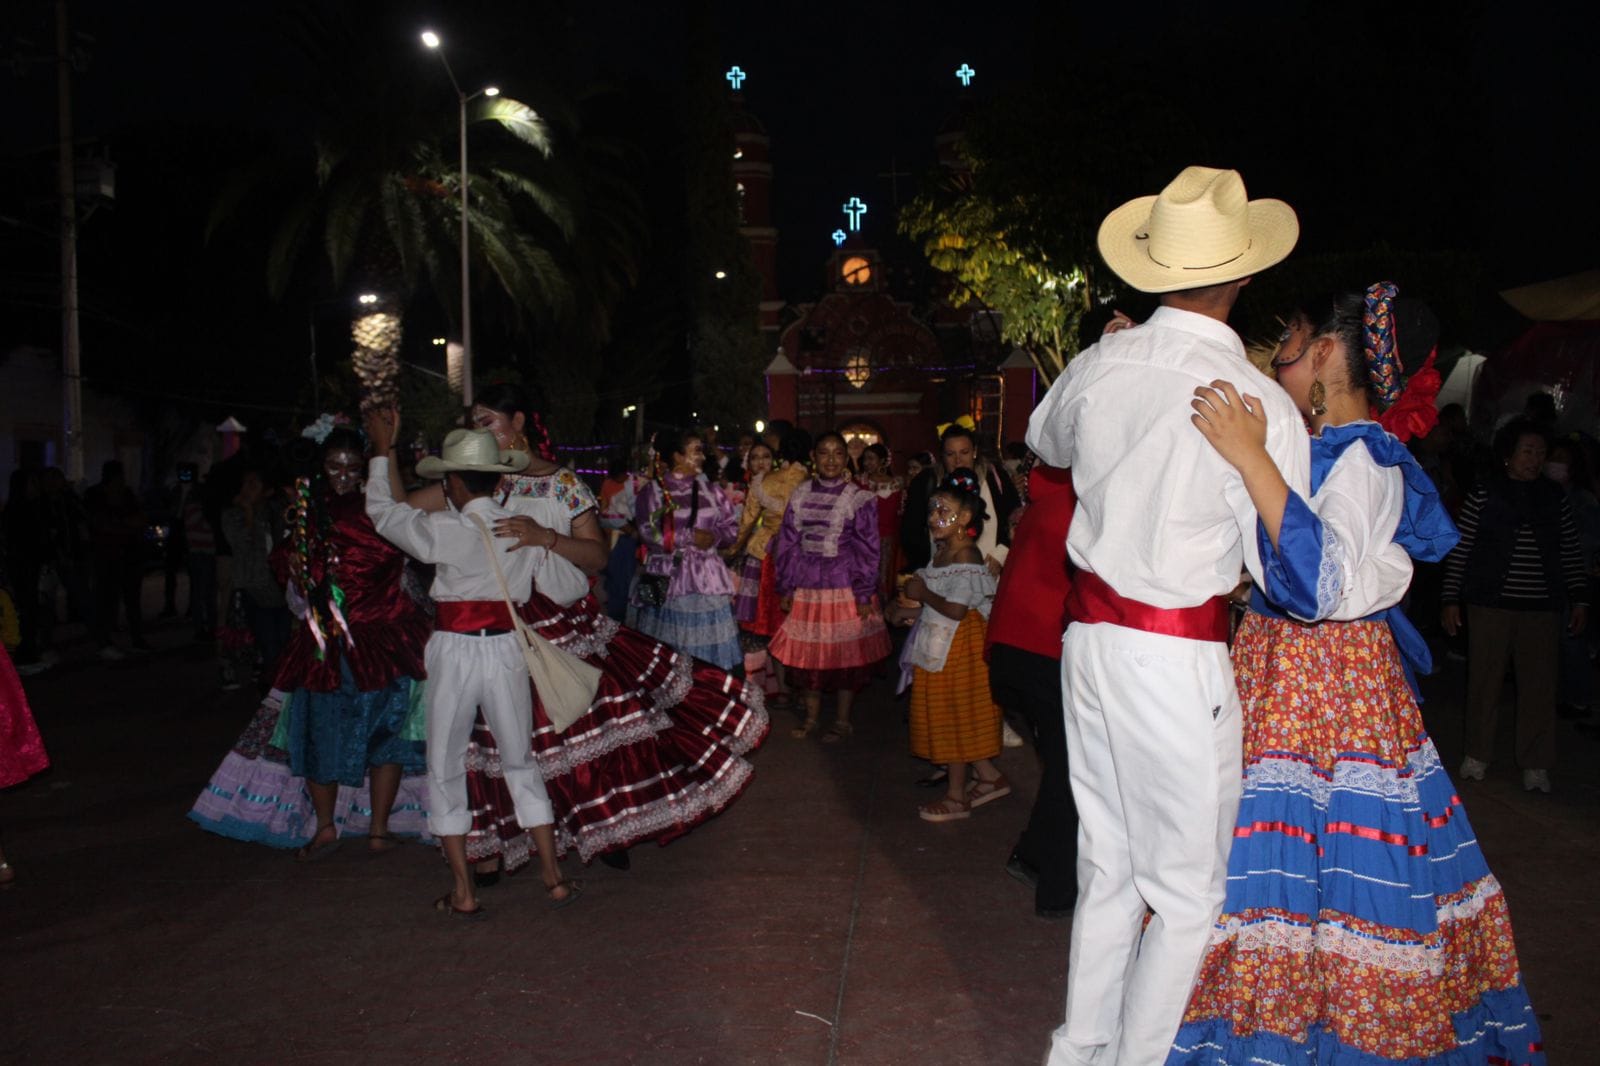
(377, 190)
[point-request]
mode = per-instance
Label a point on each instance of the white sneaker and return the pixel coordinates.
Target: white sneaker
(31, 669)
(1472, 769)
(1536, 781)
(1009, 737)
(112, 654)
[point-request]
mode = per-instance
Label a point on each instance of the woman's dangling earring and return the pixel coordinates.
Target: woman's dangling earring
(1319, 397)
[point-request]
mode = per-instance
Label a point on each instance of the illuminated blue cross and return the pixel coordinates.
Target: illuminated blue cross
(966, 75)
(855, 209)
(735, 77)
(838, 237)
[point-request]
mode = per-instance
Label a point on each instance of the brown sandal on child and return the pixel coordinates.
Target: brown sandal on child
(804, 729)
(981, 791)
(947, 809)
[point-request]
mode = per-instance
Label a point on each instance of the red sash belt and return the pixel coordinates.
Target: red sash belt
(469, 616)
(1092, 600)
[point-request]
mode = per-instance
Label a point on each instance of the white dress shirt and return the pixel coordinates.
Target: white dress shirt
(1161, 517)
(451, 542)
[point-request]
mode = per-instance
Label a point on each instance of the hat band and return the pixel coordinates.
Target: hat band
(1213, 266)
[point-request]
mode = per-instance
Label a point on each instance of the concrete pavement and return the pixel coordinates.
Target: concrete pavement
(817, 921)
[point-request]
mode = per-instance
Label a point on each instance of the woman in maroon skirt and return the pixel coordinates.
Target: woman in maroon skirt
(661, 747)
(21, 751)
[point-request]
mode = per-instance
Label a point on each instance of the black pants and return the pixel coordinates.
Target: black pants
(1030, 684)
(118, 578)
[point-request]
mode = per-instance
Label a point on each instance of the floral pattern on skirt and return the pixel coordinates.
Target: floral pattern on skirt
(1361, 925)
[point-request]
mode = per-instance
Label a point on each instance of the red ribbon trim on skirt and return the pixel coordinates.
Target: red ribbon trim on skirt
(469, 616)
(1091, 600)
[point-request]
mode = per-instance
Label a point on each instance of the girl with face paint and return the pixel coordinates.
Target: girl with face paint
(954, 720)
(337, 742)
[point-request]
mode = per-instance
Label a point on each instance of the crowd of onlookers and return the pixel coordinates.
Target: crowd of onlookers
(1524, 495)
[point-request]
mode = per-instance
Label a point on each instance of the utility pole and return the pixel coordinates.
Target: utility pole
(71, 355)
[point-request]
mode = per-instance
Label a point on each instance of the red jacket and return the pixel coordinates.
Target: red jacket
(1030, 606)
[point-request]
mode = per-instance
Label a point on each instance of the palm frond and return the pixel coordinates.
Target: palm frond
(518, 119)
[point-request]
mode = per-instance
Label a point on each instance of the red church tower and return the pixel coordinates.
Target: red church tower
(752, 175)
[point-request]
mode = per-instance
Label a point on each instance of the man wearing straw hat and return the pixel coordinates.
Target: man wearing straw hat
(1162, 530)
(474, 657)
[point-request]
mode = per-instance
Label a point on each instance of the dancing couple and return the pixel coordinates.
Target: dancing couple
(660, 749)
(1278, 871)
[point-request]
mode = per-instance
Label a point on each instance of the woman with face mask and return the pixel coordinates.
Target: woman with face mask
(337, 746)
(1518, 577)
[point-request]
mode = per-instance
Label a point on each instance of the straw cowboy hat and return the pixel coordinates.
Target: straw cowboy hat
(472, 449)
(1201, 230)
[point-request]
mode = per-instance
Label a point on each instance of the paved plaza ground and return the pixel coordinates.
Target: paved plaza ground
(816, 921)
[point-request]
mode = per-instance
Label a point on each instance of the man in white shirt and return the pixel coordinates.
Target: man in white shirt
(1161, 532)
(474, 657)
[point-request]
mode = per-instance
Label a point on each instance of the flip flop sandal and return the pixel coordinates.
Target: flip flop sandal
(314, 852)
(945, 810)
(837, 732)
(446, 905)
(391, 843)
(574, 890)
(804, 729)
(981, 792)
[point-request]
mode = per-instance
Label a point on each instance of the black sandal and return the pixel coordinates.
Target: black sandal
(312, 851)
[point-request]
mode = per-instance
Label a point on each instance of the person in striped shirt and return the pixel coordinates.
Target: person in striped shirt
(1519, 572)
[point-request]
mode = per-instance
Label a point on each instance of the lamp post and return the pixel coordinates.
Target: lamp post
(432, 41)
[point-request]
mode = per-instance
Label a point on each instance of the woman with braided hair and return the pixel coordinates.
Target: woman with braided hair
(340, 735)
(661, 747)
(683, 519)
(1361, 923)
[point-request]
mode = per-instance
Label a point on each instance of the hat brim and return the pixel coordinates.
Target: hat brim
(1274, 229)
(511, 462)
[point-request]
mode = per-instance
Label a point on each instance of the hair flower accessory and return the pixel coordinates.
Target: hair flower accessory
(1414, 413)
(325, 424)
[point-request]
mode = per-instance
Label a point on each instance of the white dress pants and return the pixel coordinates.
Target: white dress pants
(465, 673)
(1153, 724)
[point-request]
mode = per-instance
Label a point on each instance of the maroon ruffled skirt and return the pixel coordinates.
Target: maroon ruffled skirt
(21, 750)
(659, 751)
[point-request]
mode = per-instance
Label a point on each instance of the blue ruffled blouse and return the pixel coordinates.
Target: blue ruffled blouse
(1297, 572)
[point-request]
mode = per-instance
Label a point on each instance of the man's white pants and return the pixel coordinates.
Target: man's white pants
(465, 673)
(1153, 725)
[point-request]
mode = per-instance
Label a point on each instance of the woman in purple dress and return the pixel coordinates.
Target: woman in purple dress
(683, 520)
(826, 560)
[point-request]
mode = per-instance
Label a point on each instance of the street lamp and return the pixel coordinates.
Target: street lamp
(432, 41)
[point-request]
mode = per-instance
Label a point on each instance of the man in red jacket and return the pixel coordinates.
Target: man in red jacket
(1025, 627)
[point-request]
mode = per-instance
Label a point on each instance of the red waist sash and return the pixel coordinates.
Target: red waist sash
(1092, 600)
(469, 616)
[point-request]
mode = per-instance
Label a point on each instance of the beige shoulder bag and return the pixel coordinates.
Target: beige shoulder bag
(565, 683)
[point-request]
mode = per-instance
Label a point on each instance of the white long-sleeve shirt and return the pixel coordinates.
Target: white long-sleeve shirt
(1364, 570)
(451, 542)
(1161, 517)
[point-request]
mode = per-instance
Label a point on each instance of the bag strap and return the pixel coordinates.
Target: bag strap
(505, 590)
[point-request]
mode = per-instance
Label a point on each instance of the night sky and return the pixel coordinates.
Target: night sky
(1458, 126)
